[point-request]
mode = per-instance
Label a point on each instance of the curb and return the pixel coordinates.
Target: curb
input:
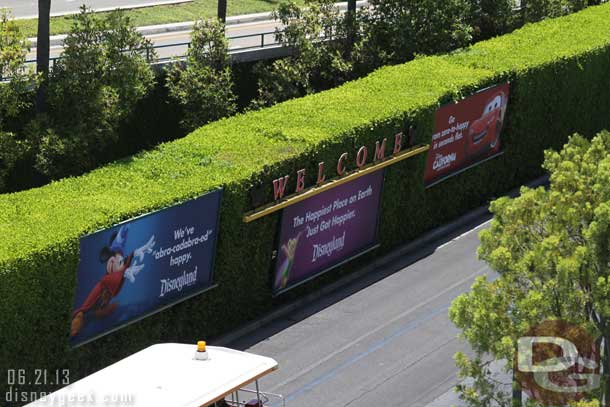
(58, 40)
(478, 214)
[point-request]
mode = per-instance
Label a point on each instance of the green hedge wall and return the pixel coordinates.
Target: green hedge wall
(560, 84)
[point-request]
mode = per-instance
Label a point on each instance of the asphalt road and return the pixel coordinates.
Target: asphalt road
(382, 340)
(241, 36)
(29, 8)
(245, 36)
(249, 35)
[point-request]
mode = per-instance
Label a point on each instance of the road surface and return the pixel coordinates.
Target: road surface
(245, 36)
(383, 340)
(249, 36)
(241, 36)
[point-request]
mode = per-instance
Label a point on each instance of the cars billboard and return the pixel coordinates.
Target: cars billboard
(466, 133)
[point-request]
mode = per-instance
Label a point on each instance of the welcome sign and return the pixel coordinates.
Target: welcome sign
(326, 230)
(139, 267)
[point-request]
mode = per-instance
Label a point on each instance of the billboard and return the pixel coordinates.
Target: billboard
(141, 266)
(326, 230)
(466, 133)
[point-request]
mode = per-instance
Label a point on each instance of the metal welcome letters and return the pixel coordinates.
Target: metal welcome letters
(366, 162)
(334, 221)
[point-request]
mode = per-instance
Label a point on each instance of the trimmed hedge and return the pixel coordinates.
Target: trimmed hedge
(560, 84)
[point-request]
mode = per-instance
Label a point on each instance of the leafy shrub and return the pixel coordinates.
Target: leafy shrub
(396, 30)
(390, 32)
(329, 48)
(204, 88)
(12, 150)
(536, 10)
(559, 85)
(96, 84)
(52, 144)
(317, 34)
(549, 247)
(16, 95)
(490, 18)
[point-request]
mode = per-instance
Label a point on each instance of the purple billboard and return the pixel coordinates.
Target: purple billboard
(327, 229)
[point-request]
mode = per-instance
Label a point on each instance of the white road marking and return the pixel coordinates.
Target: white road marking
(464, 234)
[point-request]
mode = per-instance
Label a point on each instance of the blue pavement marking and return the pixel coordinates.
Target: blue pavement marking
(409, 327)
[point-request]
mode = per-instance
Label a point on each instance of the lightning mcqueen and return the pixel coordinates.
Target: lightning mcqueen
(484, 133)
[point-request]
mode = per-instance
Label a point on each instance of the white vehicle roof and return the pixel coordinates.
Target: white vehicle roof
(165, 375)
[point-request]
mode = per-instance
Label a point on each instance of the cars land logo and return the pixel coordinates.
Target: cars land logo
(557, 362)
(443, 161)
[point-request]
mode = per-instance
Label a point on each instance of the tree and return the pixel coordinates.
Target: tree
(222, 10)
(490, 18)
(204, 88)
(351, 6)
(396, 30)
(551, 250)
(536, 10)
(43, 51)
(350, 21)
(15, 94)
(102, 75)
(318, 37)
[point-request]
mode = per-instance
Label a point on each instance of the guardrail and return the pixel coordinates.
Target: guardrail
(182, 47)
(260, 41)
(263, 42)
